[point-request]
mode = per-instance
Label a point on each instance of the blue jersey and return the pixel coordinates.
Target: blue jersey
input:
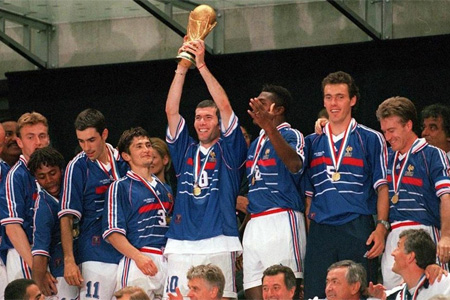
(362, 170)
(425, 179)
(138, 210)
(271, 183)
(84, 193)
(21, 193)
(47, 233)
(213, 211)
(4, 242)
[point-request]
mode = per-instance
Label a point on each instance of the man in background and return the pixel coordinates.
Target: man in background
(436, 126)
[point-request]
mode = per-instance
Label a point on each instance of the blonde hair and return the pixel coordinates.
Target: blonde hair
(30, 119)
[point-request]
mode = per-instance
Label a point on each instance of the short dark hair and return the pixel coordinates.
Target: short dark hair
(47, 156)
(289, 276)
(420, 242)
(438, 110)
(90, 118)
(209, 103)
(127, 138)
(355, 273)
(17, 289)
(344, 78)
(280, 95)
(211, 274)
(398, 106)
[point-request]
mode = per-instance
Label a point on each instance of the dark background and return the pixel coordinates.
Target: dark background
(134, 94)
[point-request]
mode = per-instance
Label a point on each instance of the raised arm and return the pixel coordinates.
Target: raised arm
(264, 119)
(215, 89)
(174, 97)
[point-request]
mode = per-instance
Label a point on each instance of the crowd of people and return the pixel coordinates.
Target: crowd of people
(320, 215)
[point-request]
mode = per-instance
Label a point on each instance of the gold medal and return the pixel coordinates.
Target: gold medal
(197, 190)
(168, 218)
(75, 232)
(394, 199)
(253, 180)
(336, 176)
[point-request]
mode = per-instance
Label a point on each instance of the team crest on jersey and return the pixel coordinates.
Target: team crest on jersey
(212, 157)
(96, 240)
(266, 154)
(348, 151)
(178, 219)
(410, 171)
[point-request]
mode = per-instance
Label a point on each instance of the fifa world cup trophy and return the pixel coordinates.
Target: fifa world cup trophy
(201, 21)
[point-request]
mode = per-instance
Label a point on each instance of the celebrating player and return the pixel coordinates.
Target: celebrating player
(204, 226)
(347, 185)
(274, 166)
(86, 181)
(47, 165)
(135, 219)
(21, 191)
(419, 184)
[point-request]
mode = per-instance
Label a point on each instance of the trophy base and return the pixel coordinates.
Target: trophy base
(186, 59)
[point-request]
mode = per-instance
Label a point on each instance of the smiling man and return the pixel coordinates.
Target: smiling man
(135, 219)
(204, 226)
(21, 192)
(11, 151)
(88, 176)
(436, 126)
(415, 251)
(346, 280)
(345, 185)
(205, 282)
(278, 283)
(419, 184)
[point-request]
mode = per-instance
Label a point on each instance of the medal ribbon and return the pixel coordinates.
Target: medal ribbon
(403, 293)
(114, 175)
(396, 181)
(197, 168)
(261, 141)
(148, 185)
(338, 159)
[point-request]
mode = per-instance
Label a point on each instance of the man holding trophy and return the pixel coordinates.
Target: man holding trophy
(203, 228)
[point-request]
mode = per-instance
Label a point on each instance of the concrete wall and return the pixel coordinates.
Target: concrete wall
(247, 29)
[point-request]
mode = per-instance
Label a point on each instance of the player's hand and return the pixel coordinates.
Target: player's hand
(242, 203)
(377, 291)
(72, 274)
(48, 285)
(178, 296)
(377, 237)
(260, 115)
(443, 249)
(434, 272)
(197, 48)
(320, 123)
(146, 265)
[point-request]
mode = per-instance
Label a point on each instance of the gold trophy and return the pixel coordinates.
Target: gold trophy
(201, 21)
